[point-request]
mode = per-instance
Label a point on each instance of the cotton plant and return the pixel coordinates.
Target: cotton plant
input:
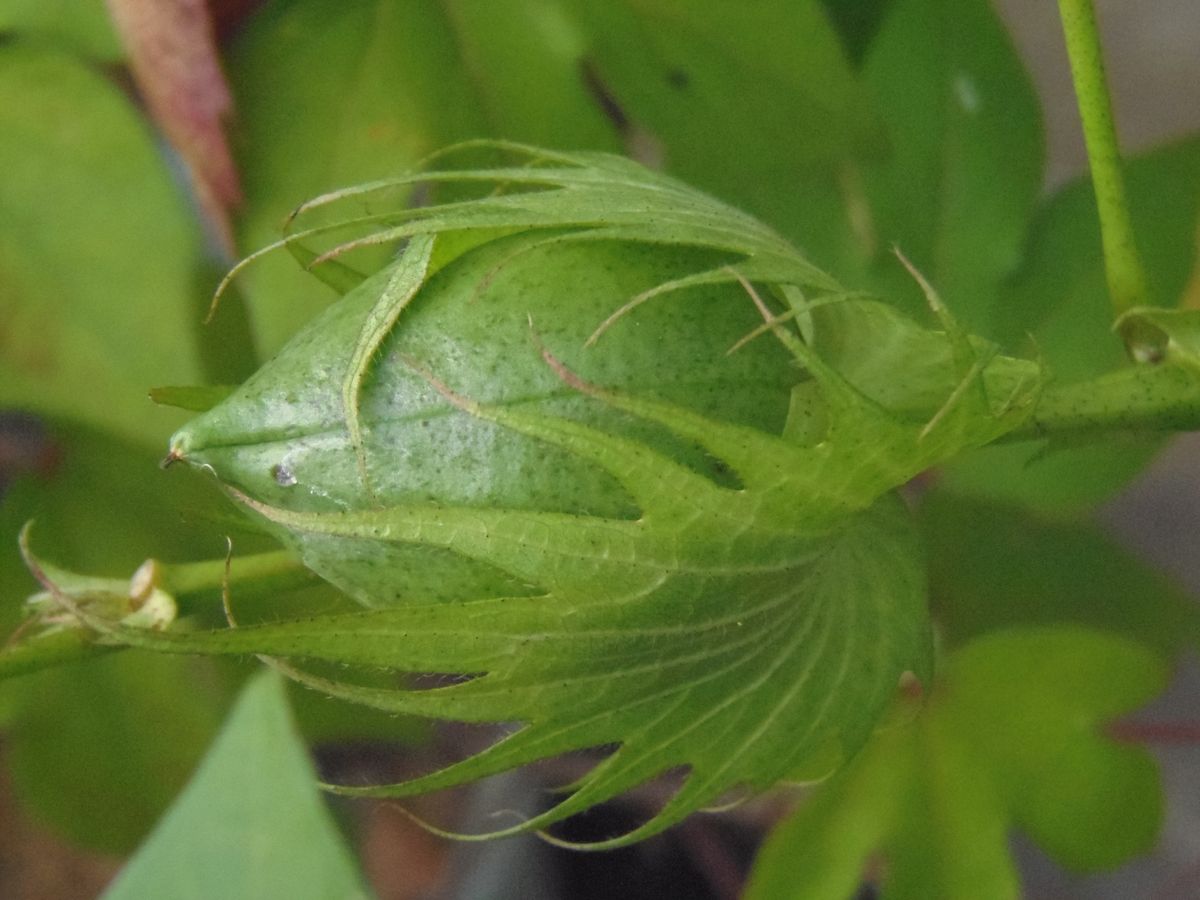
(620, 466)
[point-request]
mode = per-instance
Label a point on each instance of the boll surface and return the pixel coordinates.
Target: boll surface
(282, 437)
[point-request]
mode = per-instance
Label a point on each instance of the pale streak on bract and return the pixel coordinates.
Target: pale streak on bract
(408, 275)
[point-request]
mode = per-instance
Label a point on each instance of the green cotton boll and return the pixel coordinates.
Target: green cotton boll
(282, 438)
(646, 540)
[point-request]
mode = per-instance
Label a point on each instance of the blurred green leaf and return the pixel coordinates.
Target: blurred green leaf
(98, 750)
(524, 59)
(958, 184)
(1053, 478)
(97, 251)
(251, 823)
(1059, 303)
(1032, 705)
(993, 566)
(857, 21)
(98, 301)
(743, 99)
(330, 94)
(1008, 739)
(742, 102)
(193, 398)
(79, 25)
(322, 719)
(756, 103)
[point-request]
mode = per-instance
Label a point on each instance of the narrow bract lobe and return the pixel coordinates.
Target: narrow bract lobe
(524, 444)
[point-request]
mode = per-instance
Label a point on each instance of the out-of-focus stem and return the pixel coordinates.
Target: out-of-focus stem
(1127, 282)
(181, 579)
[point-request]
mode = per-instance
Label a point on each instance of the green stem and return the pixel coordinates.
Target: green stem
(1127, 283)
(1140, 398)
(53, 648)
(181, 579)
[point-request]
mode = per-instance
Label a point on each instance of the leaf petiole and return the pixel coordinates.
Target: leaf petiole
(184, 579)
(1125, 273)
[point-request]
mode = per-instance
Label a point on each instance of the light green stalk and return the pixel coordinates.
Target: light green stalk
(1127, 282)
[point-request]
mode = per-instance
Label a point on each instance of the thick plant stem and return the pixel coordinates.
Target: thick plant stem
(1145, 399)
(1127, 283)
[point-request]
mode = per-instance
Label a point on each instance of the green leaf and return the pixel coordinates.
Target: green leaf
(250, 823)
(1090, 802)
(820, 850)
(79, 25)
(857, 22)
(197, 398)
(1067, 573)
(624, 564)
(329, 95)
(964, 163)
(524, 60)
(702, 77)
(1007, 740)
(99, 749)
(98, 253)
(328, 721)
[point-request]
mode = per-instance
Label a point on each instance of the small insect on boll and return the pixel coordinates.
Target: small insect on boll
(283, 476)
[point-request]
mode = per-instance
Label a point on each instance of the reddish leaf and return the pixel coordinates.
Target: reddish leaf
(173, 56)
